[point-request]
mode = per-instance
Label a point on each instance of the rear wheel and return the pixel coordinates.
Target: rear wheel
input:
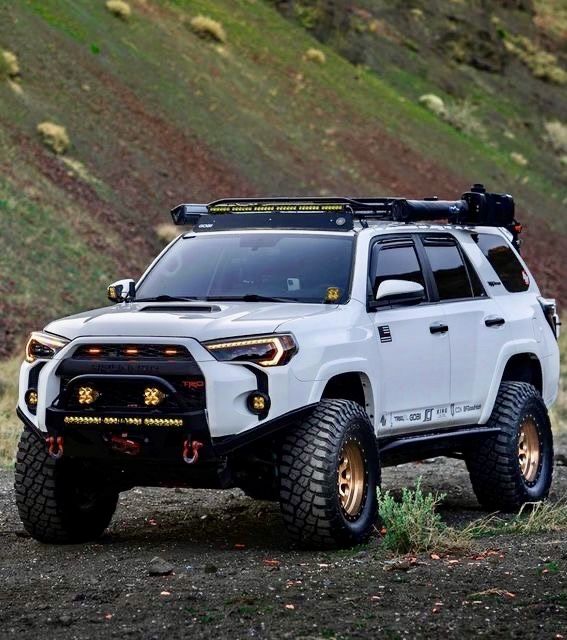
(329, 473)
(60, 501)
(515, 465)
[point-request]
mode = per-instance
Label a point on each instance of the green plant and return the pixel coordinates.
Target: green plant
(412, 524)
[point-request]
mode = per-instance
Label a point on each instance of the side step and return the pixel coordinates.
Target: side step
(408, 448)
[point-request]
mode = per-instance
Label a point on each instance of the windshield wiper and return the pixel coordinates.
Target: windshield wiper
(166, 298)
(249, 297)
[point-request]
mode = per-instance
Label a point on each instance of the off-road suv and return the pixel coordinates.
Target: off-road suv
(291, 348)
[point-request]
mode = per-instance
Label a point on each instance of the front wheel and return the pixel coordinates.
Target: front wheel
(329, 473)
(60, 501)
(515, 465)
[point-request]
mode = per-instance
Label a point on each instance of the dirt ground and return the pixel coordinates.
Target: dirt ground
(235, 574)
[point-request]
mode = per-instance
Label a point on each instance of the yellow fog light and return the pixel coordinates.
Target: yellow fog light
(153, 396)
(87, 395)
(31, 398)
(258, 403)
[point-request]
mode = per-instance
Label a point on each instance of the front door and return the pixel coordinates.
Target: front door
(413, 346)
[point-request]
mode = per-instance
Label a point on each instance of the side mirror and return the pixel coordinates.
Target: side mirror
(400, 292)
(121, 291)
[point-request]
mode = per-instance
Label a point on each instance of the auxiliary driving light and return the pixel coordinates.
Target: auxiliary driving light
(31, 398)
(258, 403)
(87, 395)
(153, 396)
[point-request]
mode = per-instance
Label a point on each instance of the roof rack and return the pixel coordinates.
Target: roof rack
(475, 207)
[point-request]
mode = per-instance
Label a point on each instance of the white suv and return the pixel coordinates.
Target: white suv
(291, 348)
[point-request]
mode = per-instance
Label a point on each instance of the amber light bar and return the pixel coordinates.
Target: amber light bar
(130, 421)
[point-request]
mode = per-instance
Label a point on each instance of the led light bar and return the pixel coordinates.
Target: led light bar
(124, 421)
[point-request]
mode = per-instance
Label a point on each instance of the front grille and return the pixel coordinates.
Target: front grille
(116, 394)
(131, 352)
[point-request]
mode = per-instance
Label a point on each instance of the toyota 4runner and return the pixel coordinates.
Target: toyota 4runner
(291, 347)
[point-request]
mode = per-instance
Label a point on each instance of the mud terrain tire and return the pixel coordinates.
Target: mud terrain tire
(315, 461)
(495, 465)
(58, 501)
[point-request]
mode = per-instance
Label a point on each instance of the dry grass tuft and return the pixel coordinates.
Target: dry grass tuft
(166, 232)
(208, 29)
(315, 55)
(54, 136)
(542, 64)
(556, 135)
(460, 115)
(9, 65)
(434, 103)
(519, 159)
(10, 427)
(119, 8)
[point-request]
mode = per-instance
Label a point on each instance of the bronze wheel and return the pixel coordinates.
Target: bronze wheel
(351, 478)
(529, 449)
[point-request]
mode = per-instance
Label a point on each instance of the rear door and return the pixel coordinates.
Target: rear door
(413, 344)
(476, 325)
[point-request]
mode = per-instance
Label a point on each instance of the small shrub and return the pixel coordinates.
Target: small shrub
(556, 134)
(315, 55)
(434, 103)
(519, 159)
(166, 232)
(542, 64)
(54, 136)
(461, 115)
(412, 524)
(9, 66)
(208, 29)
(119, 8)
(10, 427)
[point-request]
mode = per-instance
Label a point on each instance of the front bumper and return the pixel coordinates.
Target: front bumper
(222, 422)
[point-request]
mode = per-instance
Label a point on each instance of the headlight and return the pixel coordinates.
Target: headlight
(268, 351)
(43, 346)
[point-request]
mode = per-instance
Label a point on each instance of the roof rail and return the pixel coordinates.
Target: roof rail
(475, 207)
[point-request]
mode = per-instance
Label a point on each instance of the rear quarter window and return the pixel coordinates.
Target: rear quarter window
(504, 261)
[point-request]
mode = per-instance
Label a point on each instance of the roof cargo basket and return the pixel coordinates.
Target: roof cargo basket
(475, 207)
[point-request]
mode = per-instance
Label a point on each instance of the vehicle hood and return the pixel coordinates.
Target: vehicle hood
(200, 320)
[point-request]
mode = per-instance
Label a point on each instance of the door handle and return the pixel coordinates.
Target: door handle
(438, 327)
(494, 321)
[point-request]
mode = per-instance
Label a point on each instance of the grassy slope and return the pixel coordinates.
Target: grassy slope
(157, 115)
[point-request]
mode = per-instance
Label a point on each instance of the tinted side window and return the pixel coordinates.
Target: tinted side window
(395, 263)
(449, 270)
(503, 261)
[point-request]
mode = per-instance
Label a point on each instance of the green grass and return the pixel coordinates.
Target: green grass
(414, 526)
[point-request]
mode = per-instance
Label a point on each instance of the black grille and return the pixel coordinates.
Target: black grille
(131, 352)
(127, 394)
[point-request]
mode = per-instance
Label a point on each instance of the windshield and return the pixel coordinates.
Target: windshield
(283, 267)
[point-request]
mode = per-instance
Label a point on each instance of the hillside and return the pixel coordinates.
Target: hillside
(157, 114)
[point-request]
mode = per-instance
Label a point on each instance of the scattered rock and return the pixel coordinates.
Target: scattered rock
(210, 568)
(561, 460)
(159, 567)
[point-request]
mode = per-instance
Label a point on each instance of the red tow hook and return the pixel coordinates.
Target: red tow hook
(123, 445)
(54, 446)
(193, 448)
